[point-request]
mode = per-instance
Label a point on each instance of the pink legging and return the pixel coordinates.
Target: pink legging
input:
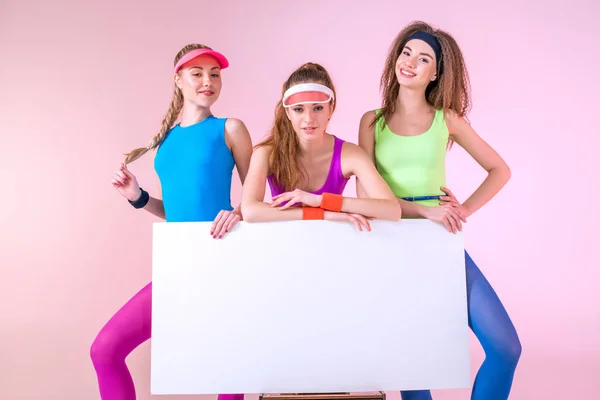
(125, 331)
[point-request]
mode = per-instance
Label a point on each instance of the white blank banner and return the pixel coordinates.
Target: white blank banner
(308, 306)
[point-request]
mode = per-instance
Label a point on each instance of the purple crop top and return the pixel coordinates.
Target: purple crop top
(335, 182)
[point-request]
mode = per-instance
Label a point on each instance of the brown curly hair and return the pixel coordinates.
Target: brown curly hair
(451, 89)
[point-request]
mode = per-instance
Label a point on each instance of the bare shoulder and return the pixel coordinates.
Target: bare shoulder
(368, 117)
(370, 114)
(455, 123)
(235, 127)
(350, 149)
(353, 157)
(236, 132)
(261, 152)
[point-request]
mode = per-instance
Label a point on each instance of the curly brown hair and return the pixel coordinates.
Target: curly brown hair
(284, 146)
(171, 115)
(451, 89)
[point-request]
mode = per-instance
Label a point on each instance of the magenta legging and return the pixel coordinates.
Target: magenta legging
(125, 331)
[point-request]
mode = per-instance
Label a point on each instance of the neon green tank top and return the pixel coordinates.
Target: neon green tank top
(413, 165)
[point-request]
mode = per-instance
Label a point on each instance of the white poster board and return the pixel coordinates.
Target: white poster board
(308, 306)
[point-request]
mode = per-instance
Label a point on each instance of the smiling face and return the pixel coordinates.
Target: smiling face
(416, 65)
(200, 81)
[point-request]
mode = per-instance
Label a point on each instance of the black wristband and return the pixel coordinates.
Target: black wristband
(142, 201)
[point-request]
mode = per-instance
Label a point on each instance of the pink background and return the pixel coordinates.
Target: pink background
(83, 82)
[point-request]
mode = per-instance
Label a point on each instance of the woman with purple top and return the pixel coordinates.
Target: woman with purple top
(307, 168)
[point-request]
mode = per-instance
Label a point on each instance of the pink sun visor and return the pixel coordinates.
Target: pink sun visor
(221, 59)
(307, 93)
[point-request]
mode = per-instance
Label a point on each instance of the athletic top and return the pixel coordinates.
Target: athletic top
(335, 182)
(195, 167)
(413, 165)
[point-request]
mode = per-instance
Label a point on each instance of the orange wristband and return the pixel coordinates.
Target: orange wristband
(313, 213)
(332, 202)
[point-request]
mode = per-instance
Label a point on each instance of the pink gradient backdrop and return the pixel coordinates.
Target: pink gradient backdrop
(83, 82)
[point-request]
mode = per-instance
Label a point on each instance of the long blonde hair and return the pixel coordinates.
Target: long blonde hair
(171, 115)
(284, 153)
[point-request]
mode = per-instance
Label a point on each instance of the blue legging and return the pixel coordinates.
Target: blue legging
(491, 324)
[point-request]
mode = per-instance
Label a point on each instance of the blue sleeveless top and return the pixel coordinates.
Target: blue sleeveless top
(195, 167)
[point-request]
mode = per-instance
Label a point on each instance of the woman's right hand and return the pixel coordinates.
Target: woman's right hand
(357, 219)
(126, 184)
(445, 214)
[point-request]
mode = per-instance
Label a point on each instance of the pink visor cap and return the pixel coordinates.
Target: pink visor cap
(307, 93)
(221, 59)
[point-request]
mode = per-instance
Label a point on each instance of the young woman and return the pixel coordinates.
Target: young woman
(425, 100)
(194, 163)
(307, 168)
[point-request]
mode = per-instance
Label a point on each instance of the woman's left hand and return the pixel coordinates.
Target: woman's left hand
(296, 196)
(224, 222)
(451, 200)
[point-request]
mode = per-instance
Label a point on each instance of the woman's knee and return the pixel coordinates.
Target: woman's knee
(103, 350)
(513, 350)
(507, 351)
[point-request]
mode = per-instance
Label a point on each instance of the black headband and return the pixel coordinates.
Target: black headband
(430, 40)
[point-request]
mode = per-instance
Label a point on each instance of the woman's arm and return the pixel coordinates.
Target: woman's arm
(498, 171)
(366, 140)
(156, 206)
(254, 209)
(238, 140)
(377, 201)
(126, 183)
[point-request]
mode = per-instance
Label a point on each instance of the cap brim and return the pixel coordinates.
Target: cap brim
(309, 97)
(221, 59)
